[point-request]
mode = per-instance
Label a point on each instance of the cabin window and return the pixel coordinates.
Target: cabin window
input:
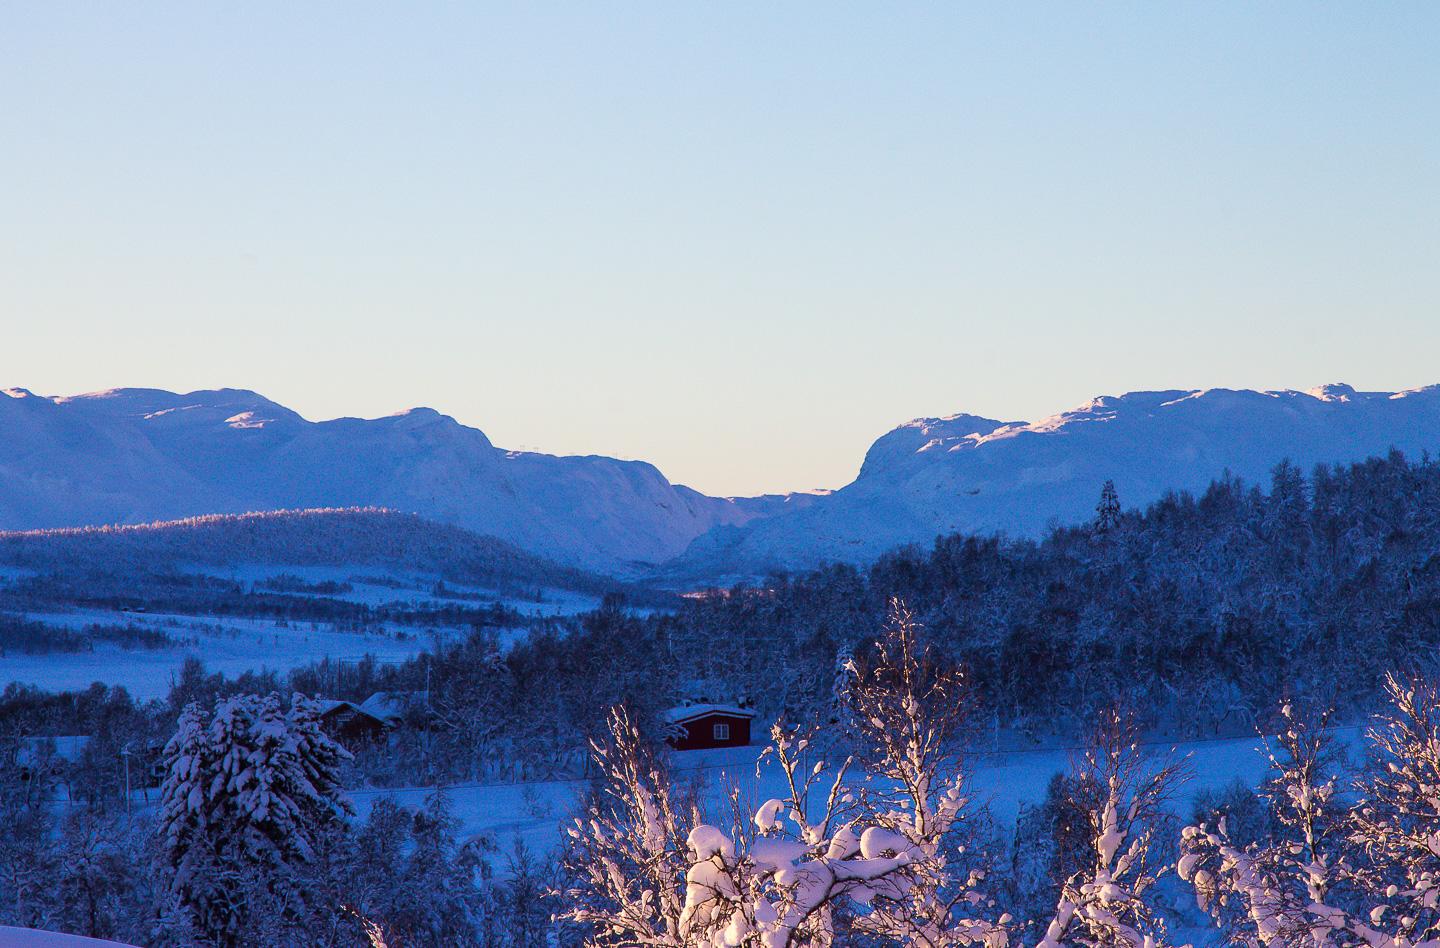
(722, 732)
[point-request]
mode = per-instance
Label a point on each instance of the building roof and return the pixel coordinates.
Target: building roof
(690, 712)
(392, 706)
(348, 714)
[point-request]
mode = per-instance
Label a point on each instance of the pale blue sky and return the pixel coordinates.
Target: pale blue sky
(738, 240)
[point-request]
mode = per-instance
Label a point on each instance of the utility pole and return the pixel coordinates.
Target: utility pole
(125, 754)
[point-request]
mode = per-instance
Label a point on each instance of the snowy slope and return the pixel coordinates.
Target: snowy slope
(135, 455)
(965, 473)
(370, 538)
(34, 938)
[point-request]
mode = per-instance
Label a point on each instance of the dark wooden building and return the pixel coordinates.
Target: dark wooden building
(701, 726)
(351, 724)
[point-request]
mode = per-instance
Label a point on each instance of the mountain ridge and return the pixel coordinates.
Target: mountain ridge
(965, 473)
(138, 455)
(135, 455)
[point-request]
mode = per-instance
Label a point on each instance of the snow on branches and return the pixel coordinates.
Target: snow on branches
(906, 707)
(1351, 867)
(1396, 823)
(1124, 796)
(877, 849)
(629, 851)
(649, 871)
(247, 792)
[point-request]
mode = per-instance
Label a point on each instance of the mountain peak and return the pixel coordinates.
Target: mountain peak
(419, 414)
(1332, 392)
(921, 436)
(150, 401)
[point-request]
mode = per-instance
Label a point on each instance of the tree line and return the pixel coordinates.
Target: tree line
(1316, 588)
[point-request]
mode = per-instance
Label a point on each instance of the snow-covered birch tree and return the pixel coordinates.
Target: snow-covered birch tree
(1351, 866)
(648, 870)
(907, 708)
(1124, 796)
(1396, 822)
(628, 855)
(814, 851)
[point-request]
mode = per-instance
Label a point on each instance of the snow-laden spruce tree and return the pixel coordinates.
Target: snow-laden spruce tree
(1107, 511)
(248, 791)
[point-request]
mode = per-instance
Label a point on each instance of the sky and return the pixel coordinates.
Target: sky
(739, 240)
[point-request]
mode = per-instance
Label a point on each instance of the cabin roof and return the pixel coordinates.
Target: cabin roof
(392, 706)
(691, 712)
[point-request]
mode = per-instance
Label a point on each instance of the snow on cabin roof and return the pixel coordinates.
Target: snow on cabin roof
(690, 712)
(348, 711)
(390, 706)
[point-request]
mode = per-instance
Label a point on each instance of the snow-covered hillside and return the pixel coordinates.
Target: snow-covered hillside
(135, 455)
(966, 473)
(344, 537)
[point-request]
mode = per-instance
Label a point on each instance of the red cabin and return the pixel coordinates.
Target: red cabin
(701, 726)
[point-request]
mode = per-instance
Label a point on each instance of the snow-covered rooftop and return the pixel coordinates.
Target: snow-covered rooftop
(690, 712)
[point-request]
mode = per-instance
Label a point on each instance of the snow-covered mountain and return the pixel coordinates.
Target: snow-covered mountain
(966, 473)
(136, 455)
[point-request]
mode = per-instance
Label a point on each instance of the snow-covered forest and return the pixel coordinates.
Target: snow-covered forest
(224, 814)
(1315, 586)
(875, 839)
(350, 537)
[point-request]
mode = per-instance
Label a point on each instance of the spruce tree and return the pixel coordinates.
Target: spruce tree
(247, 795)
(1107, 511)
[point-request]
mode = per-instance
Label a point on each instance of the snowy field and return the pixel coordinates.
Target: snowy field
(236, 645)
(1002, 781)
(229, 645)
(30, 938)
(375, 587)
